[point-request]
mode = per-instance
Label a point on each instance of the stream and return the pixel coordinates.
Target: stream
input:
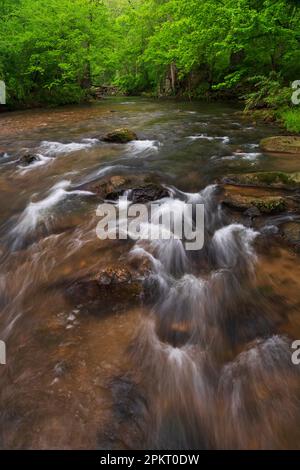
(204, 362)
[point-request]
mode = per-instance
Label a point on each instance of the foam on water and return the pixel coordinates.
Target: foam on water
(42, 160)
(138, 147)
(250, 156)
(224, 139)
(108, 169)
(4, 156)
(54, 148)
(40, 211)
(234, 243)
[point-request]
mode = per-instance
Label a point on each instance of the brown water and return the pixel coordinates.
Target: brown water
(205, 365)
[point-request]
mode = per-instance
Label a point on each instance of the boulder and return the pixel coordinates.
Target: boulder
(142, 194)
(110, 185)
(259, 205)
(120, 136)
(272, 179)
(140, 189)
(281, 144)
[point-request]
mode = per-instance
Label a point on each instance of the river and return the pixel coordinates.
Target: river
(206, 364)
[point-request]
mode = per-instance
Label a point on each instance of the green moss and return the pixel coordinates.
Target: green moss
(270, 205)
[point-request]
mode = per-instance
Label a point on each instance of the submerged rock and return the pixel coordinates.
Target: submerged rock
(281, 144)
(120, 136)
(28, 158)
(113, 289)
(291, 234)
(271, 179)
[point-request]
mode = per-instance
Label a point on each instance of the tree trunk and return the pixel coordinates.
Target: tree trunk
(173, 73)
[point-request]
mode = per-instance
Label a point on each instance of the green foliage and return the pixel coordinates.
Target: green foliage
(51, 52)
(269, 92)
(291, 119)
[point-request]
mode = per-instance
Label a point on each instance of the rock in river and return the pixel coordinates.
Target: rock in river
(140, 189)
(28, 158)
(281, 144)
(143, 194)
(256, 204)
(112, 290)
(120, 136)
(271, 179)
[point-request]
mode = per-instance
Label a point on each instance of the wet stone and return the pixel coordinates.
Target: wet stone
(143, 194)
(28, 158)
(281, 144)
(270, 179)
(120, 136)
(111, 290)
(256, 205)
(252, 212)
(138, 188)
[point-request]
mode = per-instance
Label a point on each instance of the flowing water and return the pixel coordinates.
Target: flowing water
(205, 363)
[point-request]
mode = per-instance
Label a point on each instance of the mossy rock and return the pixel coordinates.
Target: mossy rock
(265, 204)
(281, 144)
(272, 179)
(120, 136)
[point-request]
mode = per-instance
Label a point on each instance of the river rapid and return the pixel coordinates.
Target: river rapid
(205, 361)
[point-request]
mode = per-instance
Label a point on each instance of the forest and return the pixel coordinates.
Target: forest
(53, 52)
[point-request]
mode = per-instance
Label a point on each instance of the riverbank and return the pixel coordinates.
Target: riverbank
(287, 118)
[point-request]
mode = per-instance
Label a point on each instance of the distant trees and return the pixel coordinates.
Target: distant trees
(51, 52)
(212, 44)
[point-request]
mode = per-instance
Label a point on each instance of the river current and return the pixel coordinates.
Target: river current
(205, 363)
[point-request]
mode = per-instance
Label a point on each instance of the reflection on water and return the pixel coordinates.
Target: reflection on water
(206, 361)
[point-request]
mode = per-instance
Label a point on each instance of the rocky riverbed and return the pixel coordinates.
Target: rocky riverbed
(131, 344)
